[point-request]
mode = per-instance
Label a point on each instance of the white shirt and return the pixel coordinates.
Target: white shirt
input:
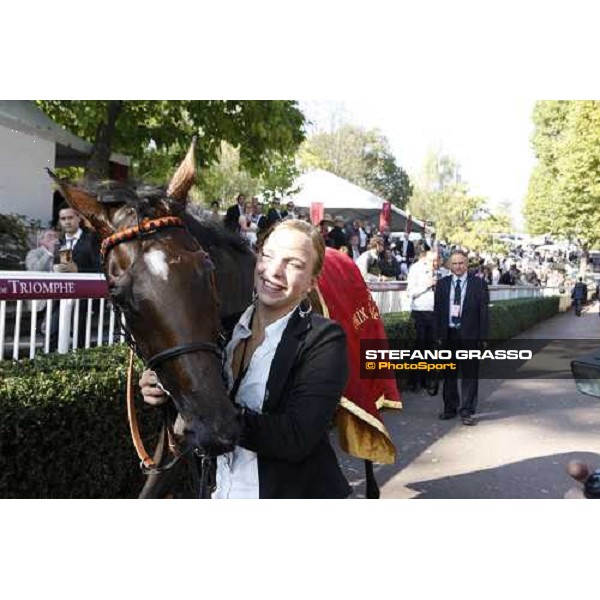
(71, 240)
(237, 471)
(362, 262)
(419, 288)
(463, 291)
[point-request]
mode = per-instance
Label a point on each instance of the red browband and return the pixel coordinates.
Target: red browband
(146, 226)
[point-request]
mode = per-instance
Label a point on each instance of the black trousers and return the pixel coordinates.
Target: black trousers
(468, 371)
(424, 321)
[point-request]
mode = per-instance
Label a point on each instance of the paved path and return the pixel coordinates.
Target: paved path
(528, 430)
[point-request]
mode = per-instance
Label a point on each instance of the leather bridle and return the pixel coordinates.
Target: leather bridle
(142, 230)
(201, 460)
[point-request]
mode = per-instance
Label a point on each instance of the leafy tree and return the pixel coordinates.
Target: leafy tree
(387, 179)
(481, 233)
(563, 197)
(224, 180)
(360, 156)
(459, 218)
(156, 132)
(17, 235)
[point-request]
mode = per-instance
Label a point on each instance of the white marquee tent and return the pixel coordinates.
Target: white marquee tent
(341, 197)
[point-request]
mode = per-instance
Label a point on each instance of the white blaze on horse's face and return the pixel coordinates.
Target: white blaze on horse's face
(157, 263)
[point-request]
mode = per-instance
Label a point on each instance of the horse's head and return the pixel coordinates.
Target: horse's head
(162, 281)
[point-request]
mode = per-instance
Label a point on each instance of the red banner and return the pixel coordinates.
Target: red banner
(385, 216)
(28, 287)
(316, 212)
(347, 300)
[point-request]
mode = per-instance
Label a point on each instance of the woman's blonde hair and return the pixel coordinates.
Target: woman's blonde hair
(310, 231)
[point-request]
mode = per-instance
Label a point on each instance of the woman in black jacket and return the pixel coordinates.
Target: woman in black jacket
(286, 369)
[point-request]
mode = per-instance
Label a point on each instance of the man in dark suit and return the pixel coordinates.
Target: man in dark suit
(81, 254)
(407, 249)
(462, 321)
(274, 214)
(337, 235)
(233, 214)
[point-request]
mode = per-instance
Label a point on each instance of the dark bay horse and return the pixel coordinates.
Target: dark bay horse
(175, 293)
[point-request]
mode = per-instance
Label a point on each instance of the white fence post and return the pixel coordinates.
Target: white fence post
(64, 329)
(33, 329)
(48, 325)
(17, 335)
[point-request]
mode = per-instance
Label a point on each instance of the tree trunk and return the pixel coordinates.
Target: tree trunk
(97, 168)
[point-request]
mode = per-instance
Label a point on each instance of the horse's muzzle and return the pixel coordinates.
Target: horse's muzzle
(214, 436)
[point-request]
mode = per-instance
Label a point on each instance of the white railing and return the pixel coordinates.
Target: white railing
(23, 332)
(390, 296)
(20, 293)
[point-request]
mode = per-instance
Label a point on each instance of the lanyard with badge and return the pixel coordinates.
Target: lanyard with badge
(455, 309)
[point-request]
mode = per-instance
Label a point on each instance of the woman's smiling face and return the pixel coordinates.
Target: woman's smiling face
(284, 270)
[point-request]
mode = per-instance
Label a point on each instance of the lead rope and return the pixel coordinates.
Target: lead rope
(146, 461)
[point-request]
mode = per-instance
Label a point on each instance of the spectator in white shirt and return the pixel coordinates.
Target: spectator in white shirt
(368, 262)
(422, 279)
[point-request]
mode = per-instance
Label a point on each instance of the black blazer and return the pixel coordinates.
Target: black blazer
(291, 436)
(474, 320)
(86, 253)
(273, 216)
(232, 218)
(410, 250)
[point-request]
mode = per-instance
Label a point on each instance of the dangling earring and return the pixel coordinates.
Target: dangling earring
(254, 297)
(304, 313)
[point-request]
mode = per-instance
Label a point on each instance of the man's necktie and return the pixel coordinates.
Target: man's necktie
(457, 299)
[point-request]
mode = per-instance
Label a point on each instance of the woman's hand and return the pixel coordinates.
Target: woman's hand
(152, 391)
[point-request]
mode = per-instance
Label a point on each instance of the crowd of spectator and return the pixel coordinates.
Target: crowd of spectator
(383, 256)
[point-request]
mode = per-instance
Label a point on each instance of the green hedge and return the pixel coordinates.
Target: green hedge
(63, 427)
(511, 317)
(507, 319)
(63, 419)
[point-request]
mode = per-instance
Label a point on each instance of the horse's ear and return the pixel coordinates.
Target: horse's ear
(85, 204)
(184, 177)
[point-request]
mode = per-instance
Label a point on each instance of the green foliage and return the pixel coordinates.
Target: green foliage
(16, 238)
(226, 178)
(511, 317)
(563, 197)
(440, 196)
(156, 133)
(507, 319)
(399, 326)
(63, 427)
(360, 156)
(480, 233)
